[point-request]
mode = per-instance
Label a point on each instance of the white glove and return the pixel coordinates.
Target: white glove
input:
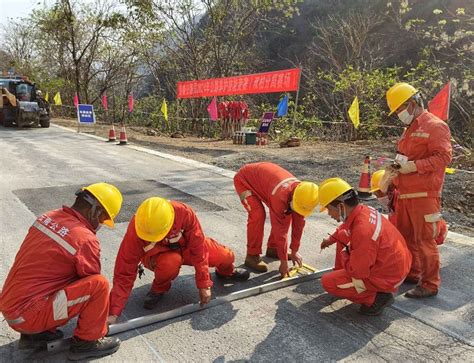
(407, 168)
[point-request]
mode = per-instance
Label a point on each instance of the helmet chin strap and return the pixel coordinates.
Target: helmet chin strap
(95, 210)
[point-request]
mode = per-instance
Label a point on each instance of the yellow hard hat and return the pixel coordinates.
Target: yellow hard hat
(154, 219)
(375, 180)
(109, 198)
(305, 198)
(398, 94)
(330, 190)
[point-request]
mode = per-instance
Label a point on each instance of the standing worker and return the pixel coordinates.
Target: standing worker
(164, 235)
(425, 151)
(376, 259)
(56, 276)
(289, 201)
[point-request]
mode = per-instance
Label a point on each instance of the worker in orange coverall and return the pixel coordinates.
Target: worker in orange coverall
(376, 259)
(289, 201)
(56, 276)
(424, 151)
(387, 199)
(164, 235)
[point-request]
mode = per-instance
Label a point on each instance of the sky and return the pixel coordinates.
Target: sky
(17, 8)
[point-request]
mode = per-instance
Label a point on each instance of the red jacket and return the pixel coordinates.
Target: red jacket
(274, 186)
(427, 141)
(60, 247)
(186, 231)
(378, 252)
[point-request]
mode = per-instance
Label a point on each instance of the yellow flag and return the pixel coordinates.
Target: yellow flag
(450, 170)
(164, 109)
(57, 99)
(354, 112)
(46, 96)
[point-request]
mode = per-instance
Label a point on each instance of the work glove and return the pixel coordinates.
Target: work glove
(296, 258)
(407, 168)
(204, 296)
(390, 174)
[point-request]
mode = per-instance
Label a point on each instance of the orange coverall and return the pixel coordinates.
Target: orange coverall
(427, 141)
(56, 276)
(184, 244)
(378, 259)
(269, 183)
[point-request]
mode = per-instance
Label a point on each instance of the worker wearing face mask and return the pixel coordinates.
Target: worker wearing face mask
(375, 259)
(56, 276)
(424, 152)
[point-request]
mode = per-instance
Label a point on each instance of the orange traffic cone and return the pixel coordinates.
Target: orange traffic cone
(112, 134)
(363, 191)
(123, 136)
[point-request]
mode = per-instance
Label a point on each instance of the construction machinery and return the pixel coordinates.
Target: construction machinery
(21, 104)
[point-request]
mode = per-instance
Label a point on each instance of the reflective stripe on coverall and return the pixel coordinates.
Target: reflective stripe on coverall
(184, 244)
(56, 276)
(427, 141)
(267, 183)
(379, 259)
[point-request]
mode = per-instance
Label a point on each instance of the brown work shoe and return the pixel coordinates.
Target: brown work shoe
(151, 300)
(272, 253)
(420, 292)
(85, 349)
(256, 263)
(39, 340)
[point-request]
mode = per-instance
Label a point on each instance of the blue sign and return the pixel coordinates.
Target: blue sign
(266, 121)
(85, 114)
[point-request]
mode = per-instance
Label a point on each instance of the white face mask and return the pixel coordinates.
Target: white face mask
(384, 201)
(405, 117)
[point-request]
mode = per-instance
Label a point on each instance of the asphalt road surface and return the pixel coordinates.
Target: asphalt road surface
(41, 169)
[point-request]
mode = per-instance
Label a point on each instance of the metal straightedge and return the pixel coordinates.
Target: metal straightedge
(301, 276)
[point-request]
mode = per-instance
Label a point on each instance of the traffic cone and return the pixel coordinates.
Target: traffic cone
(363, 191)
(112, 134)
(123, 136)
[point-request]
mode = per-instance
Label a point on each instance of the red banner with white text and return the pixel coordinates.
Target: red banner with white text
(277, 81)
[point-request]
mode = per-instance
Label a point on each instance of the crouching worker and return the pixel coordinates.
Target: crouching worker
(56, 276)
(376, 259)
(164, 235)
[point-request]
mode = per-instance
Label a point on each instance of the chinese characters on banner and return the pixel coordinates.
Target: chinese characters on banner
(278, 81)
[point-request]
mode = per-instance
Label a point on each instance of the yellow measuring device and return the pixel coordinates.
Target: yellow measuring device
(303, 270)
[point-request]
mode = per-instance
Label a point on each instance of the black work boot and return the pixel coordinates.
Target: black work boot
(151, 300)
(382, 300)
(85, 349)
(34, 341)
(239, 274)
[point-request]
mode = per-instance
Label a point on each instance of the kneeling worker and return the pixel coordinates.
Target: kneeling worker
(376, 259)
(164, 235)
(56, 276)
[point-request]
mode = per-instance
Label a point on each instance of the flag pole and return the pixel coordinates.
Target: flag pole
(296, 99)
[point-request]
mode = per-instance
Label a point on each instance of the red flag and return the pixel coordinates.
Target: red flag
(212, 109)
(439, 105)
(75, 100)
(131, 102)
(105, 105)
